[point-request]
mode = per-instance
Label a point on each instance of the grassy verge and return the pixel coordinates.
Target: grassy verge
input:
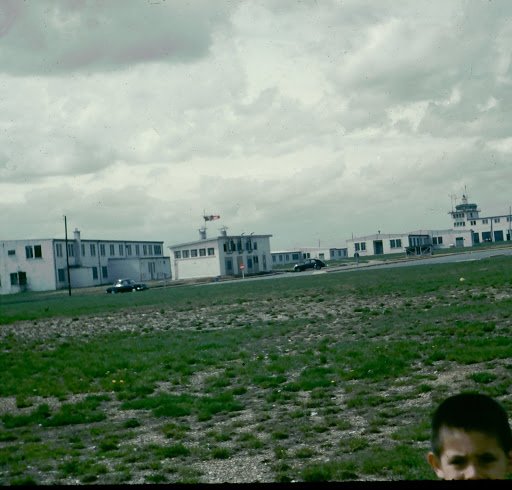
(311, 378)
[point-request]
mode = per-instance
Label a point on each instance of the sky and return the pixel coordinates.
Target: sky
(313, 121)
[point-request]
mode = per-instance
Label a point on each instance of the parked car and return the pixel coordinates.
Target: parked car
(309, 264)
(126, 286)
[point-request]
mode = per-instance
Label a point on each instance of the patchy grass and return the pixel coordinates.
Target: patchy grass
(326, 377)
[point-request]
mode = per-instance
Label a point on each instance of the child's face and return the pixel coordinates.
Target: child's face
(470, 455)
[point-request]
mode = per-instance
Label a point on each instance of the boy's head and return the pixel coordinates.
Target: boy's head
(471, 439)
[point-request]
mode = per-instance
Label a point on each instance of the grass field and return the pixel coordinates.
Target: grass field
(309, 378)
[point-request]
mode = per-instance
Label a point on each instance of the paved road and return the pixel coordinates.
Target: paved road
(434, 259)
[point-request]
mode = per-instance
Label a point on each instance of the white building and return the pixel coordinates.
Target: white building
(466, 216)
(468, 229)
(42, 265)
(224, 255)
(415, 242)
(285, 257)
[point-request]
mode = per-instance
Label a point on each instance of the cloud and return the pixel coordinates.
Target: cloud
(308, 120)
(48, 37)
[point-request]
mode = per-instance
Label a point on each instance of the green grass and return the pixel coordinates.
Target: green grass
(335, 375)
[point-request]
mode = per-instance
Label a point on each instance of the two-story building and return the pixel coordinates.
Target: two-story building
(224, 255)
(46, 264)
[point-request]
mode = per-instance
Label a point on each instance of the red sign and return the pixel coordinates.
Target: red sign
(242, 267)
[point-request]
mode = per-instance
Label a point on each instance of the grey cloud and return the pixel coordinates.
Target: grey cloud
(48, 37)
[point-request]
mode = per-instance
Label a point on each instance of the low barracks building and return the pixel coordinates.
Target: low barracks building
(41, 265)
(224, 255)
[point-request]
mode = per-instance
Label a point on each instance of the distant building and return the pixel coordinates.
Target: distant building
(484, 229)
(290, 257)
(224, 255)
(41, 265)
(468, 229)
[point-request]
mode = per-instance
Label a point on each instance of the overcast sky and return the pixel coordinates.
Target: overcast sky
(309, 120)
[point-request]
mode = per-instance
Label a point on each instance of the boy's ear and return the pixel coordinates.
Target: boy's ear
(433, 461)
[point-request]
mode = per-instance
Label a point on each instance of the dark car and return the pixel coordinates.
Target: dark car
(126, 286)
(309, 264)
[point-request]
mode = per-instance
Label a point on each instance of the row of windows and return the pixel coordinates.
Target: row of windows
(194, 252)
(104, 273)
(437, 240)
(360, 246)
(285, 257)
(31, 252)
(485, 221)
(238, 246)
(396, 243)
(122, 249)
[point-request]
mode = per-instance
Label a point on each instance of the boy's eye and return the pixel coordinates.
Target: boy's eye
(457, 461)
(487, 458)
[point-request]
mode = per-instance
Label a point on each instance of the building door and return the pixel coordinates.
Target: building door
(378, 248)
(459, 241)
(476, 237)
(498, 235)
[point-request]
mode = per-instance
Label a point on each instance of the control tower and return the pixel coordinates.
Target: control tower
(464, 212)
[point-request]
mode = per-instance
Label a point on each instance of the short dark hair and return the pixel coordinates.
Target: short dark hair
(471, 411)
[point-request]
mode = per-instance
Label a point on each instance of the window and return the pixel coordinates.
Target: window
(95, 273)
(363, 245)
(357, 247)
(193, 252)
(202, 252)
(128, 250)
(485, 221)
(62, 275)
(255, 245)
(150, 249)
(14, 279)
(29, 252)
(249, 262)
(177, 254)
(92, 249)
(121, 249)
(496, 220)
(144, 249)
(295, 256)
(158, 250)
(102, 249)
(211, 251)
(58, 249)
(137, 249)
(82, 248)
(11, 252)
(280, 257)
(112, 249)
(185, 254)
(38, 253)
(104, 272)
(71, 249)
(229, 265)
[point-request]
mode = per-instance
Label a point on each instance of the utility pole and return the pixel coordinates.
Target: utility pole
(67, 255)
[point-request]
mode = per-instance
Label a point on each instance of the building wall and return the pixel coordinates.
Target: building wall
(32, 259)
